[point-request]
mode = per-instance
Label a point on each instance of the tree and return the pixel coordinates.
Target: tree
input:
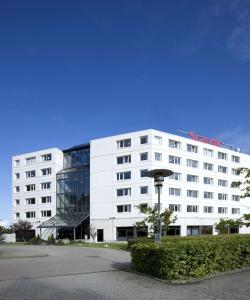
(4, 230)
(225, 224)
(150, 222)
(22, 228)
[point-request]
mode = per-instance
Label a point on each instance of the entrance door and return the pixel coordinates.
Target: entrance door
(99, 235)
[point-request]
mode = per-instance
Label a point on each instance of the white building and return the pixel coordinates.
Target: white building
(199, 192)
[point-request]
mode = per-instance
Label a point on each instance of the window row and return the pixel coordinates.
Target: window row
(33, 160)
(32, 214)
(33, 200)
(32, 173)
(32, 187)
(125, 143)
(178, 208)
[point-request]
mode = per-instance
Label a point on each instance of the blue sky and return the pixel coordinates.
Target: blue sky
(71, 71)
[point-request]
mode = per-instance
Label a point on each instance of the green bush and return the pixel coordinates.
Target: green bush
(51, 240)
(36, 240)
(191, 257)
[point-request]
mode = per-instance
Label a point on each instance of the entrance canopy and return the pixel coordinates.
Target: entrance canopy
(65, 220)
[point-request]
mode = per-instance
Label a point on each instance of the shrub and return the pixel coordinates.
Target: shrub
(36, 240)
(191, 257)
(51, 240)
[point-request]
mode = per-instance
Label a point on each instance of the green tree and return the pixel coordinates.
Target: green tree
(149, 224)
(22, 228)
(225, 225)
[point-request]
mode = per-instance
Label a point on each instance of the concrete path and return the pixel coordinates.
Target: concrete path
(89, 273)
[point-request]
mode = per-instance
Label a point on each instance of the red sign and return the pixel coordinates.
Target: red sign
(203, 139)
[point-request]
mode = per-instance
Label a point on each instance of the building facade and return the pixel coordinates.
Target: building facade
(199, 192)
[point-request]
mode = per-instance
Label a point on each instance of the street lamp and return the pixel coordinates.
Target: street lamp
(159, 175)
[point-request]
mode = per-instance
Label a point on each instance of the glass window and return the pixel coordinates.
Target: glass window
(30, 174)
(30, 187)
(222, 210)
(208, 152)
(144, 173)
(222, 155)
(45, 185)
(175, 176)
(222, 169)
(30, 160)
(46, 157)
(17, 202)
(46, 199)
(123, 208)
(174, 160)
(174, 207)
(144, 189)
(192, 148)
(123, 175)
(235, 197)
(235, 211)
(30, 201)
(192, 193)
(222, 182)
(174, 144)
(144, 156)
(144, 139)
(208, 209)
(158, 156)
(123, 192)
(30, 214)
(126, 159)
(46, 171)
(192, 208)
(17, 163)
(174, 191)
(235, 159)
(208, 167)
(76, 157)
(157, 140)
(208, 180)
(123, 143)
(17, 175)
(192, 178)
(235, 172)
(192, 163)
(222, 196)
(208, 195)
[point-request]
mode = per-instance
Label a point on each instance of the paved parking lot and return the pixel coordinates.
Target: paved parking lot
(84, 273)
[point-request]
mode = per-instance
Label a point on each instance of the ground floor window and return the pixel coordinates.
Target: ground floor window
(124, 233)
(174, 230)
(197, 230)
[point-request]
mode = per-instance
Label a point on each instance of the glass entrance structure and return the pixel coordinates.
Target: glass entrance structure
(73, 195)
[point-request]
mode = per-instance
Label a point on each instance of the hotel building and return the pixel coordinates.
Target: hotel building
(95, 190)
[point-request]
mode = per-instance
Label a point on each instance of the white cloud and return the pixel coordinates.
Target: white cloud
(4, 223)
(237, 137)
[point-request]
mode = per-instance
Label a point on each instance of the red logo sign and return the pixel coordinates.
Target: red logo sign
(203, 139)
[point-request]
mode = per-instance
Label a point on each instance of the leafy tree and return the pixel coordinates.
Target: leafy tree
(150, 221)
(22, 228)
(225, 224)
(4, 230)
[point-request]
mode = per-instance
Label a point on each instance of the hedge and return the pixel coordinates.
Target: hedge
(191, 258)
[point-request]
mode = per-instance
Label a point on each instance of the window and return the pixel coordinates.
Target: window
(17, 202)
(30, 174)
(174, 160)
(17, 163)
(45, 213)
(175, 176)
(208, 180)
(123, 192)
(30, 160)
(17, 215)
(236, 159)
(30, 187)
(123, 143)
(192, 208)
(222, 155)
(208, 167)
(126, 159)
(192, 148)
(123, 175)
(222, 169)
(208, 209)
(222, 196)
(143, 206)
(30, 214)
(235, 172)
(144, 173)
(174, 207)
(17, 189)
(144, 190)
(17, 175)
(30, 201)
(208, 195)
(174, 191)
(144, 139)
(46, 171)
(123, 208)
(157, 140)
(144, 156)
(174, 144)
(222, 210)
(158, 156)
(235, 197)
(192, 178)
(235, 211)
(192, 163)
(46, 157)
(222, 182)
(46, 199)
(208, 152)
(192, 193)
(45, 185)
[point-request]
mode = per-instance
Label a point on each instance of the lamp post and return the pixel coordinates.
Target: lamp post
(159, 175)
